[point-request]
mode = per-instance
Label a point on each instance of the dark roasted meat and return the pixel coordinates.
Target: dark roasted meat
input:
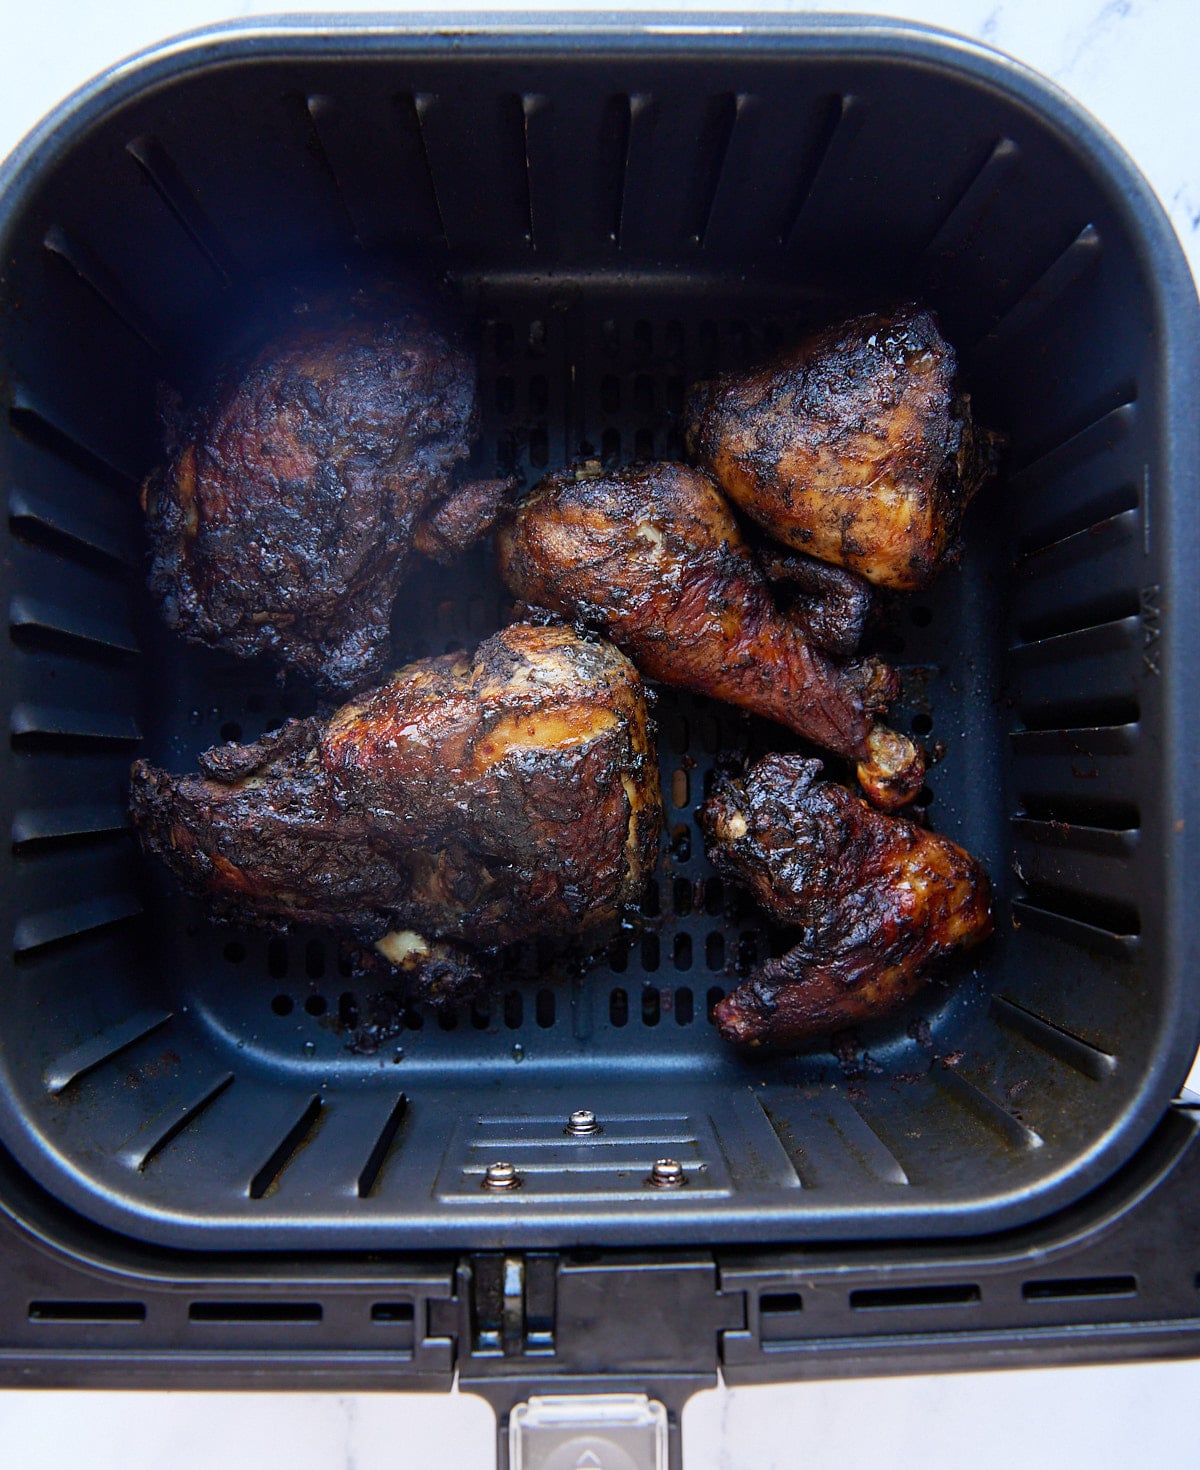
(856, 446)
(286, 517)
(652, 557)
(879, 900)
(831, 606)
(479, 799)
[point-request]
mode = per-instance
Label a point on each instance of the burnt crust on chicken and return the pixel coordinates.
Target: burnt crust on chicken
(856, 446)
(287, 514)
(470, 800)
(652, 557)
(880, 901)
(831, 606)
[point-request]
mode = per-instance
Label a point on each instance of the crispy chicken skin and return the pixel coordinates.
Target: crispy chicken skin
(285, 519)
(879, 900)
(856, 446)
(831, 606)
(652, 557)
(478, 798)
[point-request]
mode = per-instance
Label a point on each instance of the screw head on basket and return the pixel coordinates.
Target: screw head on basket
(501, 1175)
(667, 1174)
(582, 1122)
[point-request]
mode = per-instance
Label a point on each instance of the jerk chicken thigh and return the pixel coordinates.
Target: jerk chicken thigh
(292, 503)
(879, 900)
(476, 799)
(856, 446)
(652, 557)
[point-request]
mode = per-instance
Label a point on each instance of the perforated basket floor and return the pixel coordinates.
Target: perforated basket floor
(615, 224)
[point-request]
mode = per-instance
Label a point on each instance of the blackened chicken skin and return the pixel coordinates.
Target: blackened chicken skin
(856, 446)
(471, 799)
(831, 606)
(880, 900)
(285, 520)
(652, 557)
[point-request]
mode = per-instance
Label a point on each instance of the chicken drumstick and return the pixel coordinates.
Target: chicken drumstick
(652, 557)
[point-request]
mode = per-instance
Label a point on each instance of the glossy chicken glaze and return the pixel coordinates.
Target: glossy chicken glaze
(652, 557)
(483, 799)
(880, 900)
(286, 517)
(856, 446)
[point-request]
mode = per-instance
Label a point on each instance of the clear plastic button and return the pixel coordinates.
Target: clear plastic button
(611, 1431)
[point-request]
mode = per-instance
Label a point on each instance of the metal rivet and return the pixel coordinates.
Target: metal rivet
(667, 1174)
(582, 1122)
(501, 1176)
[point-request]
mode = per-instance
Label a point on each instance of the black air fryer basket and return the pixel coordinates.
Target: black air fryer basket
(200, 1172)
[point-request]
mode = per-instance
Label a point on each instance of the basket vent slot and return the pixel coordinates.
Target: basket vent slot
(191, 1112)
(36, 623)
(413, 109)
(529, 105)
(1075, 436)
(1071, 810)
(321, 117)
(779, 1316)
(90, 1312)
(372, 1170)
(39, 429)
(45, 827)
(38, 727)
(392, 1313)
(874, 1298)
(1099, 709)
(1080, 257)
(92, 271)
(1107, 915)
(292, 1313)
(168, 183)
(1101, 607)
(1078, 1288)
(267, 1180)
(987, 1110)
(828, 115)
(1054, 1039)
(1105, 505)
(87, 530)
(779, 1303)
(1073, 931)
(716, 135)
(102, 1048)
(71, 922)
(962, 225)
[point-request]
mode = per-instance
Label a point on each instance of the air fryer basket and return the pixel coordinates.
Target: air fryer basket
(619, 213)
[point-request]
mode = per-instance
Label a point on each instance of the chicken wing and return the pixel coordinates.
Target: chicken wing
(651, 556)
(879, 900)
(856, 446)
(285, 519)
(472, 799)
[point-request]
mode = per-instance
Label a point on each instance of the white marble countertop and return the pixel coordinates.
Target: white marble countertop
(1133, 63)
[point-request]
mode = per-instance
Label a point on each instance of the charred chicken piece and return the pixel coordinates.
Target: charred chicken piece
(471, 799)
(286, 517)
(856, 446)
(652, 557)
(831, 606)
(879, 900)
